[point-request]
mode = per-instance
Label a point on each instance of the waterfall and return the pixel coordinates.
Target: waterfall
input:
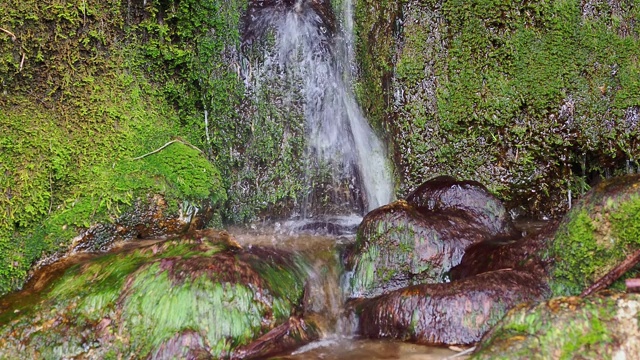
(311, 52)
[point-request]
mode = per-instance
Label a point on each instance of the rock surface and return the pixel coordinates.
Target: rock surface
(524, 254)
(450, 313)
(420, 239)
(598, 233)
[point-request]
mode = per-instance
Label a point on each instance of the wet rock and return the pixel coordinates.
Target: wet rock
(524, 254)
(602, 326)
(200, 297)
(598, 233)
(185, 345)
(419, 240)
(286, 336)
(445, 193)
(459, 312)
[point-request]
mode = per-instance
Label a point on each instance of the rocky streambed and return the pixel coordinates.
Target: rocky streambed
(444, 267)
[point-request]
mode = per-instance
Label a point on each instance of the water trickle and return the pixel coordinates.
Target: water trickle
(347, 169)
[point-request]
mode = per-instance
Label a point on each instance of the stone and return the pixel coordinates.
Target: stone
(459, 312)
(599, 232)
(418, 240)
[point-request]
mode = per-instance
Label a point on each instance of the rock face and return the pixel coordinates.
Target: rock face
(600, 231)
(451, 313)
(202, 297)
(453, 83)
(420, 239)
(603, 326)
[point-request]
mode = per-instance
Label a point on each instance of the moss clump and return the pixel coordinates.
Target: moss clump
(86, 88)
(564, 328)
(596, 235)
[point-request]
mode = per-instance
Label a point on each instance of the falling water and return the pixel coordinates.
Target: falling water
(309, 47)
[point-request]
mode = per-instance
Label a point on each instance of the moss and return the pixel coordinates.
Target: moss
(577, 254)
(81, 96)
(595, 236)
(157, 309)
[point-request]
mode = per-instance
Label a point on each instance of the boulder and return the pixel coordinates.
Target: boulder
(459, 312)
(198, 297)
(418, 240)
(466, 198)
(601, 326)
(524, 254)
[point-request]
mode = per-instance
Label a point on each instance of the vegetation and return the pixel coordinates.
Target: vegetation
(562, 328)
(534, 99)
(85, 89)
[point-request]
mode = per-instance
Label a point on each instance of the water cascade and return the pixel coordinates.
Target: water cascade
(346, 166)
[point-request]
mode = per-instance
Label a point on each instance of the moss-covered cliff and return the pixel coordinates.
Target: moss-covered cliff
(85, 88)
(536, 99)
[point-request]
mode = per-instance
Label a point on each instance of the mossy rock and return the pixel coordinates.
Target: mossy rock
(596, 235)
(200, 295)
(419, 240)
(602, 326)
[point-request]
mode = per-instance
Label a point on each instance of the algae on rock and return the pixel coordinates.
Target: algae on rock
(603, 326)
(596, 235)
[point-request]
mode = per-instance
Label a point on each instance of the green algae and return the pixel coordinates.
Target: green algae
(157, 308)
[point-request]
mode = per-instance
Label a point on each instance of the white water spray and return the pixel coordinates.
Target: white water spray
(309, 49)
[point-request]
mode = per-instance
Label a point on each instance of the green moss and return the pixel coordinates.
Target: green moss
(596, 236)
(625, 221)
(135, 295)
(83, 93)
(577, 254)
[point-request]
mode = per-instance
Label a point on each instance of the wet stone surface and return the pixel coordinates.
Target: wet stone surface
(459, 312)
(418, 240)
(601, 326)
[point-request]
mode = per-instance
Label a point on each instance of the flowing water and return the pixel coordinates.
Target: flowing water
(326, 305)
(314, 55)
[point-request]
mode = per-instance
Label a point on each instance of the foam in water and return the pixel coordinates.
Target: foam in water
(309, 48)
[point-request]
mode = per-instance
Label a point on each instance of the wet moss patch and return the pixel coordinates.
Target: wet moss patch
(601, 326)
